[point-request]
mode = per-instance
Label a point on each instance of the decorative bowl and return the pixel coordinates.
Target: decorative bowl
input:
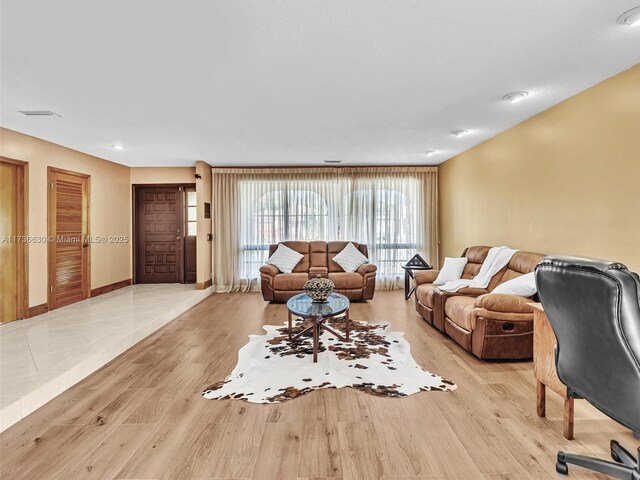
(319, 289)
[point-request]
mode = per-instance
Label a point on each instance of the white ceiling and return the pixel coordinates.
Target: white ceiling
(297, 82)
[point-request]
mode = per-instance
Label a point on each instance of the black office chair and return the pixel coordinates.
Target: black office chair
(594, 309)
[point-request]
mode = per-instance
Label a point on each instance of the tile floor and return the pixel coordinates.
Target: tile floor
(42, 356)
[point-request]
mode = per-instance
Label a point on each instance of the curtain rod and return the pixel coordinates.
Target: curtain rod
(336, 170)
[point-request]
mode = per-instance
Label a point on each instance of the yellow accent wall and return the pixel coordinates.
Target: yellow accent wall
(110, 208)
(566, 181)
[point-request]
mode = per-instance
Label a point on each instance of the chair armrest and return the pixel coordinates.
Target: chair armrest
(425, 276)
(366, 268)
(502, 302)
(271, 270)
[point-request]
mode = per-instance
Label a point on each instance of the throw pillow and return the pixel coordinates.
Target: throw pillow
(524, 285)
(284, 258)
(350, 258)
(451, 270)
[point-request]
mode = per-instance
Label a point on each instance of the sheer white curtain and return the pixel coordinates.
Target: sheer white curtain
(392, 210)
(295, 206)
(267, 206)
(384, 210)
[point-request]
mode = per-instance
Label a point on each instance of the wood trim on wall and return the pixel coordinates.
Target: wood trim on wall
(111, 287)
(23, 231)
(205, 285)
(38, 310)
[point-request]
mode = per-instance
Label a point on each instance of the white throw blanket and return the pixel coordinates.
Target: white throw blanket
(497, 258)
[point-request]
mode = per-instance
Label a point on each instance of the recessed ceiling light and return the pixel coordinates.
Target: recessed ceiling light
(630, 18)
(515, 97)
(459, 133)
(428, 153)
(118, 146)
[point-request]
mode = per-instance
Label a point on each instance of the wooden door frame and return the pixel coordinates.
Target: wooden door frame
(23, 232)
(134, 240)
(86, 286)
(185, 222)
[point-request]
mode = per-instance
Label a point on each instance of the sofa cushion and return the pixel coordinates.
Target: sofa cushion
(350, 258)
(318, 254)
(334, 248)
(424, 293)
(290, 281)
(524, 285)
(451, 270)
(498, 302)
(346, 280)
(476, 255)
(525, 262)
(460, 311)
(298, 246)
(285, 259)
(521, 263)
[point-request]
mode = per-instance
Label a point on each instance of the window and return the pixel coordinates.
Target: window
(192, 213)
(391, 210)
(384, 214)
(279, 214)
(380, 212)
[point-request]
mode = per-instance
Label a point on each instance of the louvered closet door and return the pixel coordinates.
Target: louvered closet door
(68, 246)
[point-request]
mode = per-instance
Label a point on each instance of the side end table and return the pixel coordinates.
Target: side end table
(409, 286)
(544, 369)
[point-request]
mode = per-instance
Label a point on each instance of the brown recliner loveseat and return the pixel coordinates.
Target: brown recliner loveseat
(318, 260)
(491, 326)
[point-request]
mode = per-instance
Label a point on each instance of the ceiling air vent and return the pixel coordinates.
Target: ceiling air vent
(39, 113)
(333, 161)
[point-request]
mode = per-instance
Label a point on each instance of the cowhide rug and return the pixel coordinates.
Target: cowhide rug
(272, 369)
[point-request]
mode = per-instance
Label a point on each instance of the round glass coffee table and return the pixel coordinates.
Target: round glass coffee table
(302, 306)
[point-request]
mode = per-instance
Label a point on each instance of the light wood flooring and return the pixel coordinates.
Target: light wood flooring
(142, 416)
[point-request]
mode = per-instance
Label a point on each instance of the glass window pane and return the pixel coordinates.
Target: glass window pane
(192, 229)
(191, 198)
(191, 214)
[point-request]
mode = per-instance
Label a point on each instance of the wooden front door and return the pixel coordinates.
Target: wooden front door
(13, 297)
(159, 235)
(69, 246)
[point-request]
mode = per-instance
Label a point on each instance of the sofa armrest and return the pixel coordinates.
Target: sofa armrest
(366, 268)
(425, 276)
(270, 270)
(502, 302)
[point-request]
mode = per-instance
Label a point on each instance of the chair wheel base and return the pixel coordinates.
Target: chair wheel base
(561, 465)
(615, 457)
(562, 468)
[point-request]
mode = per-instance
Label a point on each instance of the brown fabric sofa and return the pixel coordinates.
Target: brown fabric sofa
(318, 260)
(491, 326)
